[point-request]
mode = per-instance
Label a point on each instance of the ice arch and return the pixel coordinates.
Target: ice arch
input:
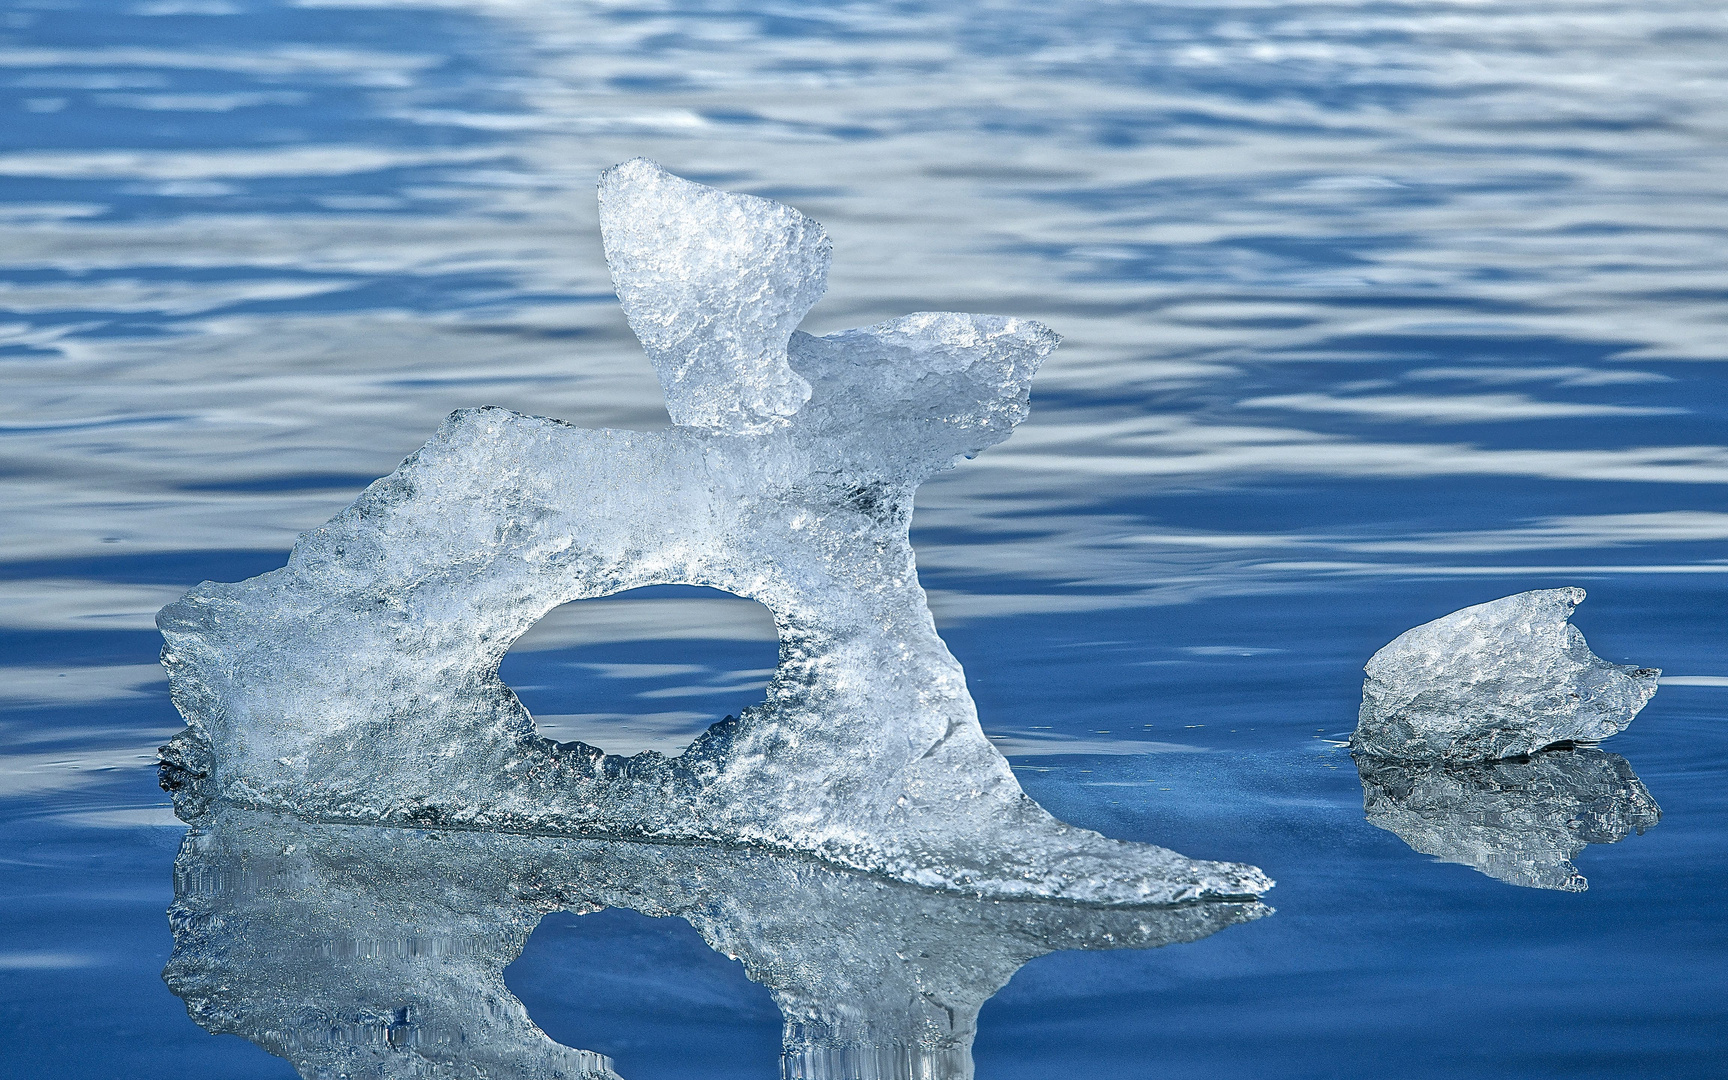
(359, 683)
(648, 669)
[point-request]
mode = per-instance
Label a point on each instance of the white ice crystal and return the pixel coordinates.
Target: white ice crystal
(360, 682)
(367, 952)
(1496, 680)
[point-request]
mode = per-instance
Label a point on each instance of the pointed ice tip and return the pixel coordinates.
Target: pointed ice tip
(713, 285)
(637, 172)
(625, 171)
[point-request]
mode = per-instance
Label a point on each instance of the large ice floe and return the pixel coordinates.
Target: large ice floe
(1520, 820)
(367, 952)
(1496, 680)
(360, 684)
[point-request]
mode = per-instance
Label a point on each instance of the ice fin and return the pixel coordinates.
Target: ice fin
(1496, 680)
(713, 284)
(916, 393)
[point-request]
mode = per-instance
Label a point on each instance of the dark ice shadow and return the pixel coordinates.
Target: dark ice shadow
(1520, 820)
(361, 951)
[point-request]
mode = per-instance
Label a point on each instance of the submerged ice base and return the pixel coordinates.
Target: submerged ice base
(1496, 680)
(359, 683)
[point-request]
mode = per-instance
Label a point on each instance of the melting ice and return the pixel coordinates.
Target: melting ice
(1496, 680)
(1468, 740)
(359, 683)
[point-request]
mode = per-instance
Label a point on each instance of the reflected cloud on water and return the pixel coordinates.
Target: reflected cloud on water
(367, 952)
(1330, 243)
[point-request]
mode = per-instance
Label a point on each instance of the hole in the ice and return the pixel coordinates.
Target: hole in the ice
(648, 993)
(648, 669)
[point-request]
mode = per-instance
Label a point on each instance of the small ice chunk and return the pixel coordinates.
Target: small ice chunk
(1496, 680)
(1521, 821)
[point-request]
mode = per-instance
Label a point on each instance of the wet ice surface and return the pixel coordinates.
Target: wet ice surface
(1371, 313)
(1495, 680)
(1476, 740)
(360, 682)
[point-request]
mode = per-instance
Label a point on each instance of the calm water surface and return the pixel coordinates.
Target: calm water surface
(1373, 310)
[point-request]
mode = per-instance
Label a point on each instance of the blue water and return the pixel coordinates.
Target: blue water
(1373, 311)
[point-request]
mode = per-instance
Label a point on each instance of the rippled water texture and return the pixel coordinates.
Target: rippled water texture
(1372, 311)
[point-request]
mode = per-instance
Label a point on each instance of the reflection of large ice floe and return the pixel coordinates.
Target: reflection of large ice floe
(1496, 680)
(360, 682)
(1521, 821)
(376, 952)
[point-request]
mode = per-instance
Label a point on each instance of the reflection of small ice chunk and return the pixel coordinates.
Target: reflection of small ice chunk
(1520, 821)
(1497, 680)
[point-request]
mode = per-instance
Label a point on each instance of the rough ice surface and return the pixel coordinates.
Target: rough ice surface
(713, 285)
(1496, 680)
(365, 952)
(359, 683)
(1521, 821)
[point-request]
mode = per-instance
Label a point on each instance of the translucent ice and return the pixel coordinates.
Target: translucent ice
(358, 951)
(1497, 680)
(713, 285)
(1520, 821)
(360, 682)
